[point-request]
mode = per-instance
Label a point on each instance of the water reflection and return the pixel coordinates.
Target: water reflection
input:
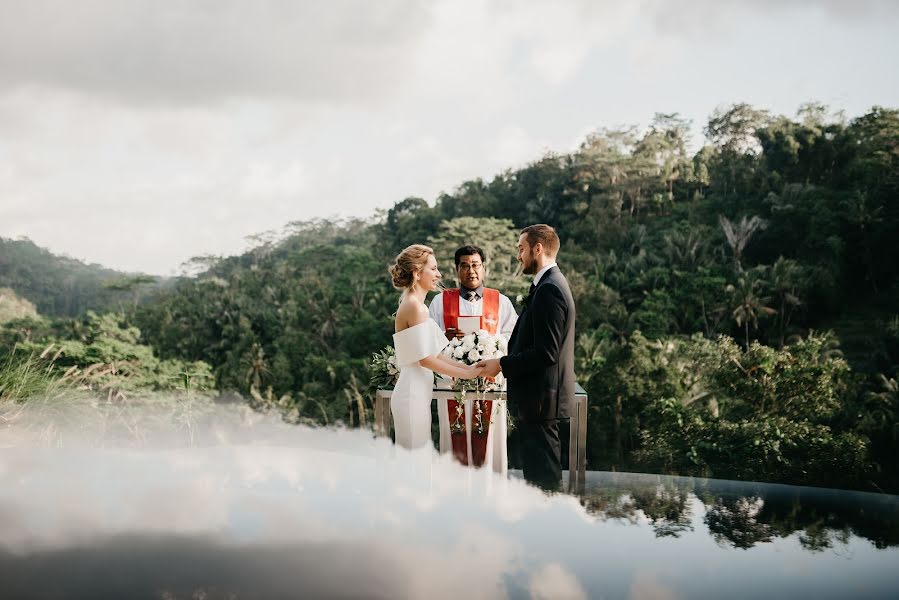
(745, 514)
(244, 508)
(663, 505)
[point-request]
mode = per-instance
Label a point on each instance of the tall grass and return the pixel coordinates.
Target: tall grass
(23, 377)
(34, 397)
(40, 404)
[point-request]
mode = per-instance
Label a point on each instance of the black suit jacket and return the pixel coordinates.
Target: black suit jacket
(540, 364)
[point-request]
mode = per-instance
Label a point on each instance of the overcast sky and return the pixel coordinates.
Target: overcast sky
(140, 133)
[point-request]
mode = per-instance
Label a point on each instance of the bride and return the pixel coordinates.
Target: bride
(418, 342)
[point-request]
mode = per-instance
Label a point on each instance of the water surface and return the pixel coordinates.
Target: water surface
(266, 511)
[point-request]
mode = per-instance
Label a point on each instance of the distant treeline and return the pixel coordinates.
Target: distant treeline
(63, 286)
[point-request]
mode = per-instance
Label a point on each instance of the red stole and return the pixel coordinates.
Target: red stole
(489, 309)
(480, 420)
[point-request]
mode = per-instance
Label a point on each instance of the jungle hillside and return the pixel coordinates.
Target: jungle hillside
(737, 298)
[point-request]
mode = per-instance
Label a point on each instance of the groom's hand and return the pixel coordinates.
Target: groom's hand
(490, 367)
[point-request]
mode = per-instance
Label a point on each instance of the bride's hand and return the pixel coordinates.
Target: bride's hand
(474, 371)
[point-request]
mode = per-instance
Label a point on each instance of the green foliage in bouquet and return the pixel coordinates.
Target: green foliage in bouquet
(383, 371)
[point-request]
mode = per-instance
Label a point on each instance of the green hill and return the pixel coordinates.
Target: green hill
(59, 285)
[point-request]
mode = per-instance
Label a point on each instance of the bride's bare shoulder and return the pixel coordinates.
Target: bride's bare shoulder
(410, 313)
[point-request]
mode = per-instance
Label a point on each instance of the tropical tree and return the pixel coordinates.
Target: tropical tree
(786, 276)
(739, 234)
(665, 145)
(686, 249)
(733, 129)
(750, 299)
(131, 285)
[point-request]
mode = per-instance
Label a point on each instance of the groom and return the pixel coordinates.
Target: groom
(540, 365)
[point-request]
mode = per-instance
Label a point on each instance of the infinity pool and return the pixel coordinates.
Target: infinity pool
(321, 513)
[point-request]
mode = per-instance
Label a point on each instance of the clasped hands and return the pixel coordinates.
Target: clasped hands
(485, 368)
(472, 372)
(489, 368)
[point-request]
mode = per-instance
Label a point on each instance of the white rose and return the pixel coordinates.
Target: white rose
(448, 351)
(468, 339)
(501, 344)
(474, 356)
(483, 334)
(459, 352)
(468, 346)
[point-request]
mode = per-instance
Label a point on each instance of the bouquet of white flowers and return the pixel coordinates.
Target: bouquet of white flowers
(384, 370)
(476, 347)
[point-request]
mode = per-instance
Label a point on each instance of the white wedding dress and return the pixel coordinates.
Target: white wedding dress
(410, 403)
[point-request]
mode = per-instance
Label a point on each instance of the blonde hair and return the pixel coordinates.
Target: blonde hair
(409, 262)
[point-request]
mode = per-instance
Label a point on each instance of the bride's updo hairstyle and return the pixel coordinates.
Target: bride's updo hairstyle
(409, 262)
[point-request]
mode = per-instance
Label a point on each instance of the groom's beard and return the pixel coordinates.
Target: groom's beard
(529, 266)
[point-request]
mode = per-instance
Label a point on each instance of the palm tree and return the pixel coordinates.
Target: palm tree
(685, 250)
(257, 371)
(785, 275)
(669, 354)
(751, 303)
(592, 349)
(738, 235)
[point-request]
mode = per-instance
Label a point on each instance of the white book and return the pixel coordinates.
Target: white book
(469, 324)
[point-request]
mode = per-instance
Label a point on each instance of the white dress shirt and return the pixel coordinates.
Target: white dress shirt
(507, 314)
(540, 273)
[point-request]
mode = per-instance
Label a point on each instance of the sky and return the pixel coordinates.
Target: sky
(138, 134)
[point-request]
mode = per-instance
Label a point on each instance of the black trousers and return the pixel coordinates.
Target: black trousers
(540, 453)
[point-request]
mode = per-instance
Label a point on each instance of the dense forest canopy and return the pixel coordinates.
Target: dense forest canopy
(738, 313)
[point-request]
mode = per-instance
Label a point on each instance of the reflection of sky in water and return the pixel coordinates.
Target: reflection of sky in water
(270, 510)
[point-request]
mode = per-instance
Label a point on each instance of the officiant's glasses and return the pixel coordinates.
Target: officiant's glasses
(470, 266)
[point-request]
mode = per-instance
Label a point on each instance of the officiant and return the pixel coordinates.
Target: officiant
(494, 311)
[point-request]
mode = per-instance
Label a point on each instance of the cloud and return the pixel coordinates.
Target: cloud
(265, 179)
(346, 51)
(136, 133)
(553, 581)
(714, 17)
(645, 586)
(515, 146)
(145, 51)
